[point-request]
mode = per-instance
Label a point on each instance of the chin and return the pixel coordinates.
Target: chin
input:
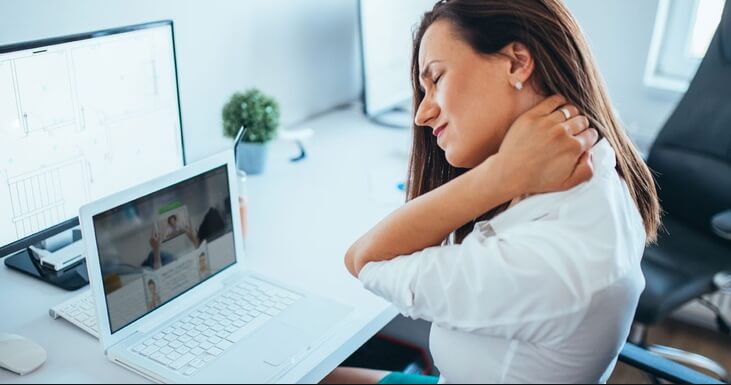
(456, 161)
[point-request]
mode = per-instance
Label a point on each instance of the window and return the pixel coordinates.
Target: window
(683, 31)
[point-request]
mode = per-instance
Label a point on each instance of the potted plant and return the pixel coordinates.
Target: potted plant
(259, 115)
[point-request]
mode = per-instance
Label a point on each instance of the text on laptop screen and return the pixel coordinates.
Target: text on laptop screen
(159, 246)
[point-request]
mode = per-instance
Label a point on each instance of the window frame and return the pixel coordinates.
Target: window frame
(670, 47)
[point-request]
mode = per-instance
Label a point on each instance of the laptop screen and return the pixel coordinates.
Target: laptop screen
(155, 248)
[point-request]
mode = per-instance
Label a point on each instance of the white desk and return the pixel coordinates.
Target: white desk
(302, 218)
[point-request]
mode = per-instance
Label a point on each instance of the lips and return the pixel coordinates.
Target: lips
(439, 130)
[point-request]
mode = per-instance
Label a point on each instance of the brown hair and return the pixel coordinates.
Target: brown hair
(563, 65)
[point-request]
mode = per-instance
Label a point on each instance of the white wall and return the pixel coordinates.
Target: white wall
(304, 53)
(619, 33)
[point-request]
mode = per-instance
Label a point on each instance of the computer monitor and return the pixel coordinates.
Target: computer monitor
(82, 117)
(386, 31)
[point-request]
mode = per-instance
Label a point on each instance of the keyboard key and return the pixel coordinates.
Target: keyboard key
(182, 361)
(174, 356)
(166, 350)
(214, 351)
(249, 328)
(272, 312)
(197, 363)
(149, 350)
(223, 345)
(159, 357)
(189, 372)
(197, 351)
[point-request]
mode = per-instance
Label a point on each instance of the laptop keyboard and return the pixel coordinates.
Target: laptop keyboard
(191, 343)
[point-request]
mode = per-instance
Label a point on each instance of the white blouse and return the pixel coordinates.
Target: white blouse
(544, 292)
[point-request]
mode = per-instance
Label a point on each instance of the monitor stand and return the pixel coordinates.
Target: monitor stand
(72, 278)
(397, 117)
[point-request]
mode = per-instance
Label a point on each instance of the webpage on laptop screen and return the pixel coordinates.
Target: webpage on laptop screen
(157, 247)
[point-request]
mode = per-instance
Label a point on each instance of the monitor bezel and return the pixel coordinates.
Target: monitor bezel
(22, 244)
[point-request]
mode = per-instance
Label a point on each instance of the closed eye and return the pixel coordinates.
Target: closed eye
(437, 79)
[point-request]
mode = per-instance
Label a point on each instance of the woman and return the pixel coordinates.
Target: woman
(520, 245)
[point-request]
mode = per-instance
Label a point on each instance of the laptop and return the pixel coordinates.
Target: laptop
(175, 300)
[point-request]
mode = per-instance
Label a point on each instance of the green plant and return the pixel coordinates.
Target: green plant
(254, 110)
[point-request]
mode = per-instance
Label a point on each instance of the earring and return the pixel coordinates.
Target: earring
(518, 85)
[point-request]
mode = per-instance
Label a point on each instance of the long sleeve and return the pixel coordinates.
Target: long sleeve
(493, 284)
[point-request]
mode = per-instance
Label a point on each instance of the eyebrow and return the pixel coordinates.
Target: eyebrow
(427, 69)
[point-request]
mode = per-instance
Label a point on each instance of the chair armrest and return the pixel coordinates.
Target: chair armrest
(722, 224)
(662, 368)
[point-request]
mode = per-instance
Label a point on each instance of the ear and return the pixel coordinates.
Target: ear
(521, 61)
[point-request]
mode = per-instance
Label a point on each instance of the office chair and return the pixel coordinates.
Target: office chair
(662, 368)
(692, 161)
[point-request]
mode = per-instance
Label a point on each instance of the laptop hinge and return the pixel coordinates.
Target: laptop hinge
(234, 278)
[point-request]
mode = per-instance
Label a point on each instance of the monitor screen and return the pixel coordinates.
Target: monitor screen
(159, 246)
(82, 117)
(386, 30)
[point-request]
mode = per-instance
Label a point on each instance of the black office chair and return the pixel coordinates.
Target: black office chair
(692, 161)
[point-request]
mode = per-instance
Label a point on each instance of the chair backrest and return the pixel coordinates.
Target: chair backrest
(692, 154)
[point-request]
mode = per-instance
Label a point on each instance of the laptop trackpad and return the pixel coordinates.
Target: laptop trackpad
(283, 342)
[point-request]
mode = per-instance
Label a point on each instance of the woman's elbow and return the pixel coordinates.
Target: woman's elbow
(350, 261)
(354, 260)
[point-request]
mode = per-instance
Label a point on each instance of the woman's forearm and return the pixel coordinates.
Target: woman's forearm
(427, 220)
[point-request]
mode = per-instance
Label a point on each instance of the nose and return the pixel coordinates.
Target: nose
(427, 111)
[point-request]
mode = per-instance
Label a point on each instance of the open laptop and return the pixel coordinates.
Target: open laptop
(188, 310)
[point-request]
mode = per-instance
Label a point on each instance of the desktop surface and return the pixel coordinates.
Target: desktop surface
(302, 217)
